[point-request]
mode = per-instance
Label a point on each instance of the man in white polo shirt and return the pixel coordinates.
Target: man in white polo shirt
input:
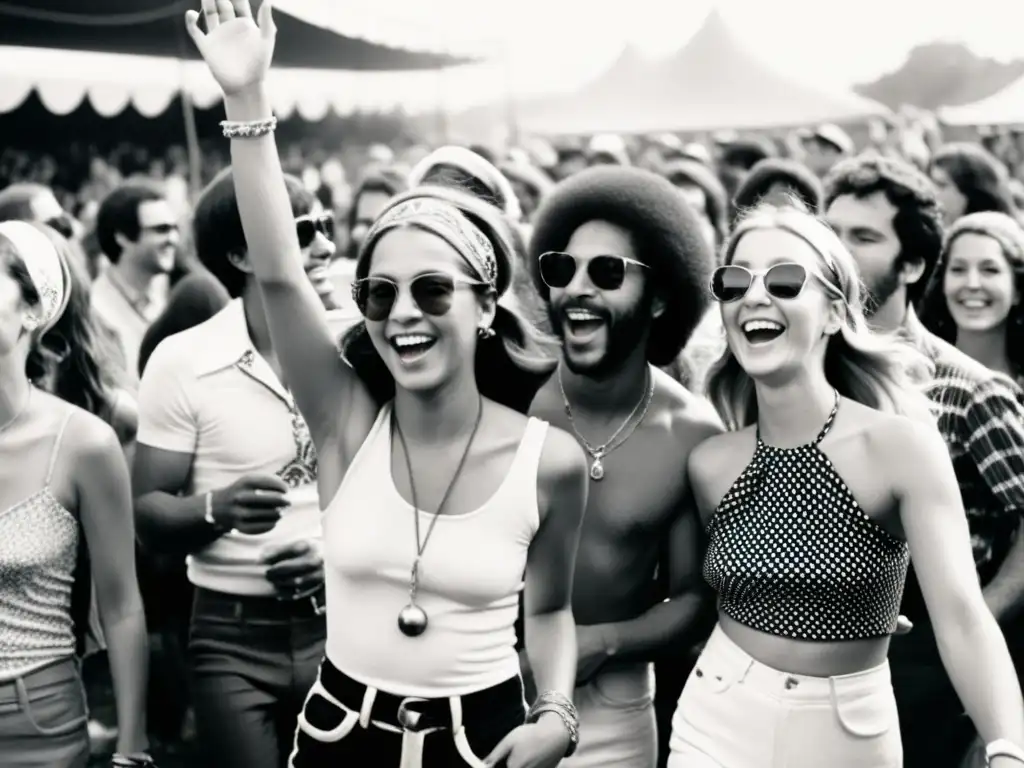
(225, 472)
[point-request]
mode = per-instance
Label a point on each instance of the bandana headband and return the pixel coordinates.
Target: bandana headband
(447, 222)
(45, 268)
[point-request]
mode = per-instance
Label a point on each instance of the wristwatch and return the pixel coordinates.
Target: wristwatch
(1003, 748)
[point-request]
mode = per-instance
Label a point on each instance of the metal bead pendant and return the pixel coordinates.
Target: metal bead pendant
(412, 620)
(597, 469)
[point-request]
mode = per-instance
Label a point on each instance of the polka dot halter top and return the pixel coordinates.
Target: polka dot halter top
(791, 552)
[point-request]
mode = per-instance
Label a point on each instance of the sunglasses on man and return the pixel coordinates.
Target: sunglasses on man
(606, 272)
(306, 228)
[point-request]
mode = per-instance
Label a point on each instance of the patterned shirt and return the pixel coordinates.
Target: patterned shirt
(981, 417)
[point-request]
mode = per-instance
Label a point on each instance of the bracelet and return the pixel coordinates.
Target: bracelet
(552, 701)
(249, 129)
(208, 504)
(137, 760)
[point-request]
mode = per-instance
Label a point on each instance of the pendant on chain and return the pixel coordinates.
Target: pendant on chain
(597, 469)
(412, 620)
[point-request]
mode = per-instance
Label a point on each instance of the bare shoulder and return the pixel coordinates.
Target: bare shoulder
(903, 447)
(90, 438)
(714, 465)
(691, 417)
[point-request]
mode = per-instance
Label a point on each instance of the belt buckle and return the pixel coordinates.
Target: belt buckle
(318, 609)
(408, 718)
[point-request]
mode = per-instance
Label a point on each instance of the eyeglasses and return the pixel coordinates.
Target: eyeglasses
(306, 228)
(160, 229)
(732, 282)
(432, 293)
(606, 272)
(63, 224)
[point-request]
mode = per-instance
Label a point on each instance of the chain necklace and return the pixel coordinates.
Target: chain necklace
(412, 619)
(20, 412)
(597, 453)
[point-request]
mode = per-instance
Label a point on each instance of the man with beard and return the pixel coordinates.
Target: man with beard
(887, 214)
(620, 259)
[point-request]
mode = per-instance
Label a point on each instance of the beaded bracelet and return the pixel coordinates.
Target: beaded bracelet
(563, 707)
(138, 760)
(249, 129)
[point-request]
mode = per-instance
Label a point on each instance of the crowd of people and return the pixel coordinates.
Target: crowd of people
(657, 454)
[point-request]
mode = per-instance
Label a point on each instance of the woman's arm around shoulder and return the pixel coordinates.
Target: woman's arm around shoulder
(915, 462)
(104, 503)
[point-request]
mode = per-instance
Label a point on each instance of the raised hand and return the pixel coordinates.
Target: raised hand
(234, 47)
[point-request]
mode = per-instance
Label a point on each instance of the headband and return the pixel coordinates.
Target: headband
(45, 267)
(447, 222)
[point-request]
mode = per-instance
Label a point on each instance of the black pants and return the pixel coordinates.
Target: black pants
(252, 661)
(488, 716)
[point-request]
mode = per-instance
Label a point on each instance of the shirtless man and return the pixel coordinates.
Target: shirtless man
(619, 258)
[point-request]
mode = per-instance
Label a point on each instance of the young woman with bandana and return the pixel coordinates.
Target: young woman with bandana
(438, 496)
(833, 475)
(64, 492)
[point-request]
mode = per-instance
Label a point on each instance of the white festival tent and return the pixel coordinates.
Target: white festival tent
(63, 79)
(1001, 109)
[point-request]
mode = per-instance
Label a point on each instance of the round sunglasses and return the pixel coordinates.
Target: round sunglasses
(431, 292)
(306, 228)
(606, 272)
(731, 282)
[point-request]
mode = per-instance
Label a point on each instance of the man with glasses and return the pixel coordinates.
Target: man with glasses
(138, 233)
(225, 476)
(621, 261)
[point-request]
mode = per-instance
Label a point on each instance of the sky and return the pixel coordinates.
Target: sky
(543, 46)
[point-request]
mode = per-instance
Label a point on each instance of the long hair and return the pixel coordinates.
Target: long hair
(511, 366)
(935, 309)
(873, 369)
(978, 176)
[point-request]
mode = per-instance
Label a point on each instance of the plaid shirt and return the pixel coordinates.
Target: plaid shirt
(981, 417)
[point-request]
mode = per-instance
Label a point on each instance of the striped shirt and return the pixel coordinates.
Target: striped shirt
(981, 417)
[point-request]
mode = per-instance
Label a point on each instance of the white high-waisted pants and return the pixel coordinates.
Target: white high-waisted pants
(738, 713)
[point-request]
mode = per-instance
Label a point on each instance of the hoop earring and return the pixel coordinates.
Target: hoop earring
(485, 332)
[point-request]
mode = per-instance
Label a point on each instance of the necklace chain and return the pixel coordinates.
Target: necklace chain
(19, 413)
(421, 546)
(607, 447)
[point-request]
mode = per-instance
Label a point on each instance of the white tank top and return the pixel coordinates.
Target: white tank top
(470, 576)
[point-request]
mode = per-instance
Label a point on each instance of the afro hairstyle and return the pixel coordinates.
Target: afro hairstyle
(666, 237)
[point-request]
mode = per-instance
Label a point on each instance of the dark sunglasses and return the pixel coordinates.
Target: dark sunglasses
(63, 224)
(605, 272)
(782, 281)
(306, 228)
(432, 293)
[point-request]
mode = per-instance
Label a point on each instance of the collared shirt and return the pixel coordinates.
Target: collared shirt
(126, 314)
(981, 417)
(208, 393)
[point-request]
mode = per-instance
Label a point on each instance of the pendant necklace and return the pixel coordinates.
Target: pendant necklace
(598, 453)
(412, 619)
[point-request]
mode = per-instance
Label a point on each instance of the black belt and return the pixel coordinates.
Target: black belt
(208, 602)
(412, 713)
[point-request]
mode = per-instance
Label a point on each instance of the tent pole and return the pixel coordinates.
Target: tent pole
(195, 155)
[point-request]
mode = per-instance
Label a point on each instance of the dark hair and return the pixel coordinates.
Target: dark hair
(697, 174)
(746, 153)
(665, 233)
(119, 213)
(16, 201)
(510, 367)
(217, 227)
(1009, 234)
(797, 177)
(978, 176)
(918, 219)
(382, 182)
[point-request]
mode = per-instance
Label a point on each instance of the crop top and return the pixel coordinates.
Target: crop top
(791, 553)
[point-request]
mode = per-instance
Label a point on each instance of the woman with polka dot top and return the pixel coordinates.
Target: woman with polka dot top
(832, 475)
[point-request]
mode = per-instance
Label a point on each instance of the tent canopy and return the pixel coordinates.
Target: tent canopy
(712, 82)
(1003, 108)
(157, 28)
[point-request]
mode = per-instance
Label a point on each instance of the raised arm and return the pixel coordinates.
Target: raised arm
(238, 53)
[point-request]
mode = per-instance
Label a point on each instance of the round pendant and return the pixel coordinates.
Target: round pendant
(596, 470)
(412, 620)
